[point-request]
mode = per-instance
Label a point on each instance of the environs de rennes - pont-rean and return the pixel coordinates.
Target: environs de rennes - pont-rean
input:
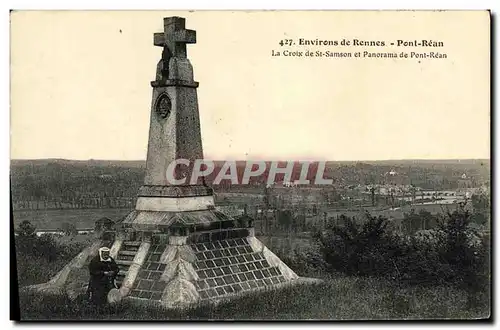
(372, 43)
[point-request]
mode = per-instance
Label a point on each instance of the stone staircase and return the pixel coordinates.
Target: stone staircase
(124, 259)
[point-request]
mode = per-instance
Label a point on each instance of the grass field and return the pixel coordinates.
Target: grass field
(85, 218)
(341, 298)
(53, 219)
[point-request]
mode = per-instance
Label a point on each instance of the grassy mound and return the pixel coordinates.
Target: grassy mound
(344, 298)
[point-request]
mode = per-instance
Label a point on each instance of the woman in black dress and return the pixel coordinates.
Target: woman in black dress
(103, 270)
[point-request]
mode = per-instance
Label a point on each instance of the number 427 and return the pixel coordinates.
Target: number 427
(286, 42)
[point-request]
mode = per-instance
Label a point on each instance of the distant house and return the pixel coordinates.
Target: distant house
(465, 182)
(104, 224)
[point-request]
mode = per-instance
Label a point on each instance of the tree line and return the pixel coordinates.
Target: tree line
(106, 184)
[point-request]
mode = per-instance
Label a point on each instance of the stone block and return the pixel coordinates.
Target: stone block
(145, 285)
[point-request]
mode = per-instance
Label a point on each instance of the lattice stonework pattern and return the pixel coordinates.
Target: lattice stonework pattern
(230, 266)
(148, 284)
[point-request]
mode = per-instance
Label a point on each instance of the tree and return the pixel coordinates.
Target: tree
(466, 253)
(358, 248)
(412, 222)
(429, 221)
(104, 224)
(26, 229)
(481, 205)
(26, 237)
(479, 218)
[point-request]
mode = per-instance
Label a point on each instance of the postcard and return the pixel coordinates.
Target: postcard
(251, 165)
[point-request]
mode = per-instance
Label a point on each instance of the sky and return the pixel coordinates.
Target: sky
(80, 85)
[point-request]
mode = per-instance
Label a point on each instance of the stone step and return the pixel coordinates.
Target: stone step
(127, 253)
(125, 258)
(123, 262)
(129, 250)
(132, 243)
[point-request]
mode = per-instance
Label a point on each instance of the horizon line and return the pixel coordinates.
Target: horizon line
(265, 160)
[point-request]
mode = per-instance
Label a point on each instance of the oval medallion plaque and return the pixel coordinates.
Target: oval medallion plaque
(163, 106)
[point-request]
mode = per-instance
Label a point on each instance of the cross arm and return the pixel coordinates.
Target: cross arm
(185, 36)
(182, 36)
(159, 39)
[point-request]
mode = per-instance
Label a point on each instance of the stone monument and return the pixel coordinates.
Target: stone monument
(175, 248)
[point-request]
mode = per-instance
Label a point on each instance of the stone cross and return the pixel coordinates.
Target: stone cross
(174, 38)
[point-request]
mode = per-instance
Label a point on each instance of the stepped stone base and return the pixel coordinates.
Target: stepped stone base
(183, 273)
